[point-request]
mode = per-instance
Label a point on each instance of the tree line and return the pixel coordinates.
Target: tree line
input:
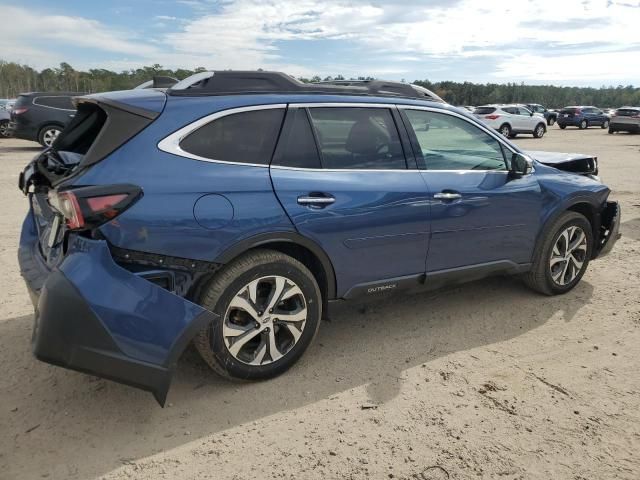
(16, 79)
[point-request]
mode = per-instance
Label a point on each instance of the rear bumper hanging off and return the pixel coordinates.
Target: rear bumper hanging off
(93, 316)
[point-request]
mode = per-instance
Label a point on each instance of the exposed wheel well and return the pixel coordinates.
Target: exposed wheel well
(307, 258)
(588, 211)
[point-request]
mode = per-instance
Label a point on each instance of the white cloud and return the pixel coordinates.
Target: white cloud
(529, 39)
(26, 28)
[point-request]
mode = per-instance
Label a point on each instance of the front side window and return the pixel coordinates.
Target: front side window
(245, 137)
(357, 138)
(456, 145)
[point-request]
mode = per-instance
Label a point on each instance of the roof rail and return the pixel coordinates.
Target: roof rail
(233, 82)
(386, 87)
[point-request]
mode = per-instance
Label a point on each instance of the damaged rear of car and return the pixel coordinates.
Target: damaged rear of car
(91, 313)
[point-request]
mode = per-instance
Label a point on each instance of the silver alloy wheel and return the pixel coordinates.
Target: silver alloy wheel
(505, 130)
(4, 129)
(540, 131)
(584, 124)
(49, 136)
(568, 255)
(264, 320)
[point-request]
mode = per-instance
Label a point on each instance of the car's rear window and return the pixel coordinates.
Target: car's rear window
(569, 110)
(628, 112)
(484, 110)
(22, 101)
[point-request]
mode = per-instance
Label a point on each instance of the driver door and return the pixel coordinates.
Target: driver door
(479, 213)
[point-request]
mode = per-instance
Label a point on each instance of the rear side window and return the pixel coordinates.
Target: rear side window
(511, 110)
(460, 146)
(297, 147)
(63, 103)
(357, 138)
(245, 137)
(484, 110)
(627, 112)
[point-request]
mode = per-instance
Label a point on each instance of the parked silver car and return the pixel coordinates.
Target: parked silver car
(625, 119)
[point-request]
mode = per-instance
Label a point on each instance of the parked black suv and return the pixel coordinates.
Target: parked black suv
(549, 116)
(41, 116)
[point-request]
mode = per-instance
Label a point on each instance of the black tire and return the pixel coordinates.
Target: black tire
(539, 278)
(551, 121)
(505, 130)
(224, 287)
(605, 124)
(611, 130)
(539, 131)
(562, 127)
(4, 129)
(44, 135)
(513, 135)
(583, 124)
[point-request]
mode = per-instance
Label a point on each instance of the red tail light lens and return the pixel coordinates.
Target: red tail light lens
(18, 111)
(492, 117)
(89, 207)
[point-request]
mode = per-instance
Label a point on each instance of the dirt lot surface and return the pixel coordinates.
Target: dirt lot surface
(487, 380)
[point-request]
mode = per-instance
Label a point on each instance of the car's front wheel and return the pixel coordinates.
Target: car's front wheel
(270, 308)
(583, 124)
(563, 256)
(48, 135)
(605, 124)
(551, 121)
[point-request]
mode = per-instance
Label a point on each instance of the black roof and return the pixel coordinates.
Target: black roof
(233, 82)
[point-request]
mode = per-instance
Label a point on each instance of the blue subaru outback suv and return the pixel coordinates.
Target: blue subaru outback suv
(230, 209)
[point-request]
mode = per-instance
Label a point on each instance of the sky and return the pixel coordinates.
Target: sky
(561, 42)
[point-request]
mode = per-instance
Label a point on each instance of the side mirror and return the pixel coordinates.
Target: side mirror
(520, 165)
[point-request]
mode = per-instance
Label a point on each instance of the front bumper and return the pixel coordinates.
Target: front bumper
(609, 228)
(93, 316)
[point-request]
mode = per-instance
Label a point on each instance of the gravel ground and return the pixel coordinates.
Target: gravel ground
(486, 380)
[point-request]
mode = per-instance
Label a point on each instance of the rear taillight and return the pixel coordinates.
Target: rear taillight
(19, 111)
(492, 117)
(85, 208)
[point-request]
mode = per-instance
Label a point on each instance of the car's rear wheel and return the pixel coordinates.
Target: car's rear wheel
(48, 135)
(539, 131)
(562, 127)
(270, 308)
(4, 129)
(505, 130)
(563, 256)
(605, 124)
(583, 124)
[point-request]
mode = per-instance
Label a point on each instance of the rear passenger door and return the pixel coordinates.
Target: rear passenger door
(342, 175)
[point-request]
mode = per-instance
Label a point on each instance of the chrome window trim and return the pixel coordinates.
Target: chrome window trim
(171, 143)
(48, 106)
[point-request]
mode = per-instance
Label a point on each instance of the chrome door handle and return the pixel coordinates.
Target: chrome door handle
(447, 196)
(316, 201)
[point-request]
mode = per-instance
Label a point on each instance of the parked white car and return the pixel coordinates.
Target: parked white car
(512, 119)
